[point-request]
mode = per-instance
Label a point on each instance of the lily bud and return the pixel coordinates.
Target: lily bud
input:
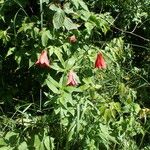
(100, 62)
(43, 60)
(71, 81)
(72, 39)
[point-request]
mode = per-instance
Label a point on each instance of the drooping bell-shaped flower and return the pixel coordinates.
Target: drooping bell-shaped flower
(43, 60)
(100, 62)
(71, 81)
(72, 39)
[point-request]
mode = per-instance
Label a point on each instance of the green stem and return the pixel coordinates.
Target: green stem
(41, 12)
(60, 127)
(40, 100)
(78, 119)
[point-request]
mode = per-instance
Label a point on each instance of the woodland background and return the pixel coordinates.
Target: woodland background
(108, 109)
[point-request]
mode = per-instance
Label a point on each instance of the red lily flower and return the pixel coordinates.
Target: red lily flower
(72, 39)
(43, 60)
(71, 81)
(100, 62)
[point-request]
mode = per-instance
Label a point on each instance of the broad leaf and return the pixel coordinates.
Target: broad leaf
(83, 5)
(76, 3)
(49, 143)
(69, 25)
(58, 53)
(45, 36)
(52, 84)
(10, 51)
(58, 19)
(23, 146)
(89, 26)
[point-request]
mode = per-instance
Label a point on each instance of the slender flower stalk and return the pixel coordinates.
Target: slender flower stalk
(100, 62)
(43, 61)
(41, 11)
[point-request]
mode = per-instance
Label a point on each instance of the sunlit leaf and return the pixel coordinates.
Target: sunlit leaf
(58, 19)
(69, 24)
(23, 146)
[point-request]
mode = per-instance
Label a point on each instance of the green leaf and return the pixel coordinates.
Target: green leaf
(69, 25)
(52, 84)
(6, 148)
(88, 81)
(25, 27)
(76, 3)
(58, 19)
(64, 121)
(45, 36)
(4, 36)
(10, 51)
(106, 133)
(44, 39)
(83, 5)
(57, 110)
(107, 114)
(89, 26)
(49, 35)
(117, 106)
(70, 63)
(52, 143)
(2, 142)
(49, 143)
(54, 7)
(31, 63)
(71, 130)
(58, 53)
(23, 146)
(84, 15)
(93, 18)
(67, 8)
(37, 142)
(56, 67)
(18, 59)
(46, 1)
(71, 110)
(11, 138)
(63, 102)
(1, 1)
(136, 108)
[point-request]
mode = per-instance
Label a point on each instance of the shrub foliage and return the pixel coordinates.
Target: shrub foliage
(74, 74)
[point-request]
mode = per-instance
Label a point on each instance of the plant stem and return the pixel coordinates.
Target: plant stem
(40, 99)
(78, 119)
(41, 12)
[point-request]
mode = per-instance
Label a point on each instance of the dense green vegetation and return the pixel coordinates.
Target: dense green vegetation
(74, 74)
